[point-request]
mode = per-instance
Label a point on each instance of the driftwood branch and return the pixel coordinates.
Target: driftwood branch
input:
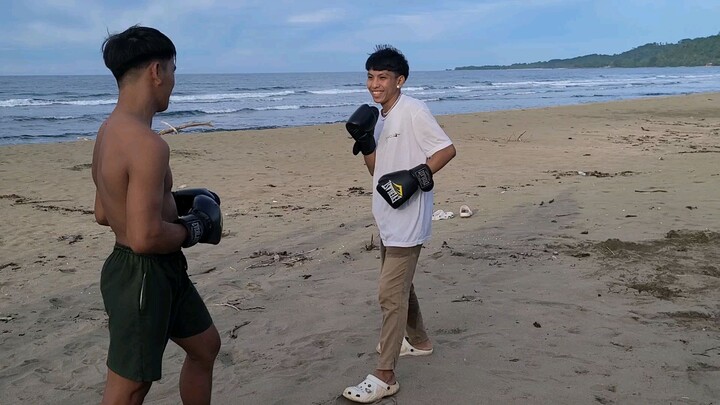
(370, 246)
(284, 257)
(180, 127)
(233, 333)
(234, 305)
(517, 139)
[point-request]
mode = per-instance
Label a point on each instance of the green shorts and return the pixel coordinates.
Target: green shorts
(149, 299)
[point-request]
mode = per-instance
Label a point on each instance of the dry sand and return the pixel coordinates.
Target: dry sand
(588, 273)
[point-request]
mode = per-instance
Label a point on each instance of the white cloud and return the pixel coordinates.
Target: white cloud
(52, 22)
(317, 17)
(276, 35)
(168, 10)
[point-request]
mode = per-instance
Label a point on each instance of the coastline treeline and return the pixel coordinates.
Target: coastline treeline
(687, 52)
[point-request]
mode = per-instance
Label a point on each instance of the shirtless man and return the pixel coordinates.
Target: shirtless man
(147, 294)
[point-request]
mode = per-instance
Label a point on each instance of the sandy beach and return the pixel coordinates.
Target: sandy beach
(589, 272)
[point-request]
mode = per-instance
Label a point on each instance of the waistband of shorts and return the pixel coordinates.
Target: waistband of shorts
(162, 256)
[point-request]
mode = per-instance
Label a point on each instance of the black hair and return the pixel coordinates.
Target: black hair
(387, 57)
(135, 47)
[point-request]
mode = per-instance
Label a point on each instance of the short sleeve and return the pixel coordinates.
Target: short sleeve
(430, 136)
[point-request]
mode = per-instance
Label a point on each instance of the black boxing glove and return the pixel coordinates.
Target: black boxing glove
(184, 198)
(423, 175)
(397, 187)
(361, 127)
(204, 222)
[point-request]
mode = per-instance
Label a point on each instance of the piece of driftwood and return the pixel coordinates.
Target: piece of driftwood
(233, 333)
(284, 257)
(176, 129)
(370, 246)
(234, 306)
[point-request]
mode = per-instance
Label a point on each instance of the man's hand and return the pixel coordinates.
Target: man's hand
(361, 127)
(184, 198)
(204, 222)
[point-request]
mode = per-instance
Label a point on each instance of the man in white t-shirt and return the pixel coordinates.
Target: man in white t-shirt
(402, 148)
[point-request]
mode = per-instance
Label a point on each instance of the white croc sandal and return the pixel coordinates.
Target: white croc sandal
(465, 212)
(408, 350)
(440, 214)
(370, 390)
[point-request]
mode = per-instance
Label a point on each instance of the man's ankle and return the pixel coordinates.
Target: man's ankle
(426, 345)
(388, 376)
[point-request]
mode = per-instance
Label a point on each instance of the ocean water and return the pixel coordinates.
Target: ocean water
(36, 109)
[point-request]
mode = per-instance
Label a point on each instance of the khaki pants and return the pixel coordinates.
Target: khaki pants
(399, 304)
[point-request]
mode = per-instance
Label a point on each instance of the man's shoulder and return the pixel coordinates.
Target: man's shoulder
(410, 100)
(132, 132)
(131, 142)
(413, 104)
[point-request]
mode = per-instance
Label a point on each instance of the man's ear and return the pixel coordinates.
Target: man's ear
(155, 72)
(401, 80)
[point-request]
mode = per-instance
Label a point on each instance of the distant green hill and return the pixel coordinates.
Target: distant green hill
(688, 52)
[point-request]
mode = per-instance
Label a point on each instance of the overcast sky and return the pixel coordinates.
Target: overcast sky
(248, 36)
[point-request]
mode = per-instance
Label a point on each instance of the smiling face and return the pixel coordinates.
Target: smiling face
(384, 86)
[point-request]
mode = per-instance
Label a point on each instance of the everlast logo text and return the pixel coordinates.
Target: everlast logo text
(196, 231)
(394, 191)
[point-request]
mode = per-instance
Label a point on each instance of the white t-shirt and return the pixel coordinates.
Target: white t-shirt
(407, 137)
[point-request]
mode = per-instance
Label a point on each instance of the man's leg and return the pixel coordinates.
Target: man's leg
(197, 370)
(398, 269)
(121, 391)
(417, 336)
(136, 347)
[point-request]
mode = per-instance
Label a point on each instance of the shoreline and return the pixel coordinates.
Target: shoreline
(588, 272)
(66, 109)
(85, 138)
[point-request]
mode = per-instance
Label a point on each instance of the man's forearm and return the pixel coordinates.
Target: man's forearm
(370, 162)
(438, 160)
